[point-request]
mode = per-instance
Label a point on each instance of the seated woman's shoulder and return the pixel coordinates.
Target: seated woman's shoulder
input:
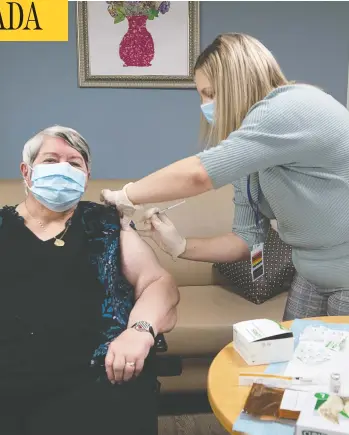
(103, 210)
(95, 215)
(8, 213)
(8, 209)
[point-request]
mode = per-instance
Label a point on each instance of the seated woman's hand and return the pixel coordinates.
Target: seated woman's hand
(163, 232)
(126, 355)
(120, 200)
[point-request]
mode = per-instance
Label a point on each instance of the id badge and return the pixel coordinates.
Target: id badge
(257, 262)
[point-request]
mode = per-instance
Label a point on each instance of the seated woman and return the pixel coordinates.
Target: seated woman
(81, 303)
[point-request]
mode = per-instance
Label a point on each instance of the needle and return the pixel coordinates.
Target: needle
(165, 209)
(170, 207)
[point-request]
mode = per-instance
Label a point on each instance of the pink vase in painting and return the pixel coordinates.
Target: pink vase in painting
(137, 46)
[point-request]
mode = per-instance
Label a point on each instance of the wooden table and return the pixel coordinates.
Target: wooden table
(226, 398)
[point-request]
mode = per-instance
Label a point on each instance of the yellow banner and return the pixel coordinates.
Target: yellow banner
(38, 20)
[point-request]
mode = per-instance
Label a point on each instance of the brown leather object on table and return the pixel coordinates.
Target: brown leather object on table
(287, 414)
(264, 402)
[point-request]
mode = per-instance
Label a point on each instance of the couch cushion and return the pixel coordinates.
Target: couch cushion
(185, 272)
(206, 315)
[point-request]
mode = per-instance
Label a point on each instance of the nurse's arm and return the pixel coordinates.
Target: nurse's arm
(235, 246)
(268, 137)
(183, 179)
(226, 248)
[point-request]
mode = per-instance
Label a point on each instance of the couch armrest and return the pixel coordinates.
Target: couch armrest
(166, 365)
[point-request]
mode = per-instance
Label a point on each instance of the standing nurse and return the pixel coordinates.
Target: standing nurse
(285, 148)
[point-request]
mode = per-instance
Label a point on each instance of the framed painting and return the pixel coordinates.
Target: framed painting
(137, 44)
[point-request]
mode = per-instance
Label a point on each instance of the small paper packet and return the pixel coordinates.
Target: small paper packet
(335, 340)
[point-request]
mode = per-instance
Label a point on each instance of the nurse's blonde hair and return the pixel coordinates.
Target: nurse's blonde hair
(241, 71)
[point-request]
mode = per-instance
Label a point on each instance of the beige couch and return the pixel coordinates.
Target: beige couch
(207, 310)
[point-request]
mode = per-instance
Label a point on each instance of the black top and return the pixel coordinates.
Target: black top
(50, 303)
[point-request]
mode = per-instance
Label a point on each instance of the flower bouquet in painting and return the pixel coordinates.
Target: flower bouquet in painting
(137, 45)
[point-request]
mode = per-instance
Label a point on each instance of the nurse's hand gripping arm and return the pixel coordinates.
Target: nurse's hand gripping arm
(231, 247)
(225, 248)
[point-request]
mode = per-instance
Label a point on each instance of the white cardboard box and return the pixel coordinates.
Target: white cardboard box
(263, 341)
(310, 422)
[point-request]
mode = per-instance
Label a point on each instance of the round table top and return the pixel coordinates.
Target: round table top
(226, 397)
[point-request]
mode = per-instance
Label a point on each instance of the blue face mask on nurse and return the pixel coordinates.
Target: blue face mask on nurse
(208, 111)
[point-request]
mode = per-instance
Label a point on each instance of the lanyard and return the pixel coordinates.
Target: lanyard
(254, 205)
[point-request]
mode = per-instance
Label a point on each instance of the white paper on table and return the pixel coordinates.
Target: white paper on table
(321, 372)
(294, 400)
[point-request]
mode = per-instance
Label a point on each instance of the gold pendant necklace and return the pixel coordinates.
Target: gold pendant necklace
(59, 242)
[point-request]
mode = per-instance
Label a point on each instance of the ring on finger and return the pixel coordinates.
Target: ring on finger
(130, 363)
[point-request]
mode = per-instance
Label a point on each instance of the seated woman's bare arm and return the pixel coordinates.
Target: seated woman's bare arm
(156, 292)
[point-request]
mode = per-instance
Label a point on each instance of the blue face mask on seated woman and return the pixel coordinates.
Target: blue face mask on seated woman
(57, 186)
(208, 111)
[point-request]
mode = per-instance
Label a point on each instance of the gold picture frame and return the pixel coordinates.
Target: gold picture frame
(87, 79)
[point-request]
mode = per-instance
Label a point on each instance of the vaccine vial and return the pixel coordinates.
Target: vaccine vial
(335, 384)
